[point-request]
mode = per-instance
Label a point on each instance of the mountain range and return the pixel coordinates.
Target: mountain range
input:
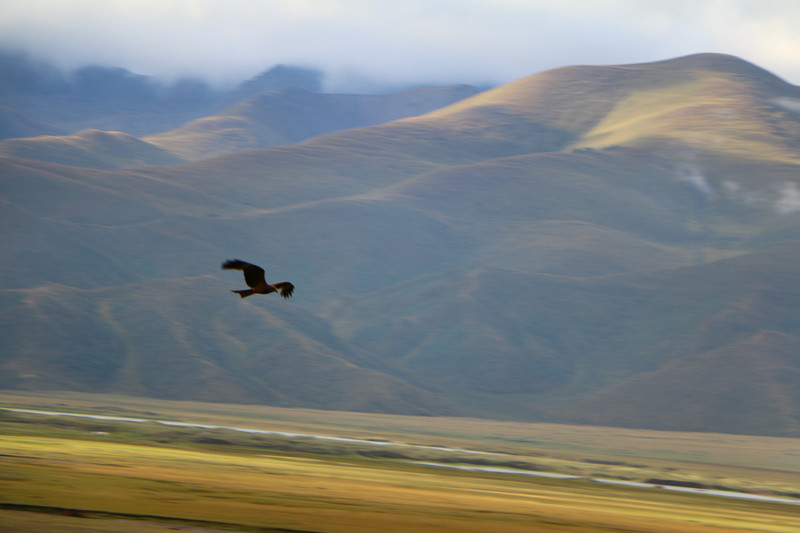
(613, 245)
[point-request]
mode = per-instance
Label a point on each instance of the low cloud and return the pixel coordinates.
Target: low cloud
(409, 42)
(692, 175)
(790, 104)
(788, 201)
(736, 192)
(783, 199)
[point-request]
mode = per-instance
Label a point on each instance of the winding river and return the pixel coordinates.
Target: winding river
(499, 470)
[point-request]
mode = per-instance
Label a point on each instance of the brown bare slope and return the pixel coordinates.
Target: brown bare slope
(704, 101)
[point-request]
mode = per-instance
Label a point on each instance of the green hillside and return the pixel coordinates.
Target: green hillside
(607, 245)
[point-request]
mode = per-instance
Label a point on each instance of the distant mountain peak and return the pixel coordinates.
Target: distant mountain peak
(278, 78)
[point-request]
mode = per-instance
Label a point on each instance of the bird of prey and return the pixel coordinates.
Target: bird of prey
(254, 277)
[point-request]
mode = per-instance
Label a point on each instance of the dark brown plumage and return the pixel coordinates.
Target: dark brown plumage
(254, 277)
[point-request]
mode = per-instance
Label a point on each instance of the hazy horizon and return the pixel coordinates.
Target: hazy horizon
(361, 44)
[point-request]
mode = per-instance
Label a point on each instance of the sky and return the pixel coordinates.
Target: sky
(363, 43)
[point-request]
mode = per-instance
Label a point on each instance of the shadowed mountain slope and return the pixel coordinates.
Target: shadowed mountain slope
(196, 343)
(294, 115)
(552, 249)
(277, 118)
(115, 99)
(668, 349)
(15, 124)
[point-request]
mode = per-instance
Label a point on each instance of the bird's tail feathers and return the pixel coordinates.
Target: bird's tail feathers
(245, 292)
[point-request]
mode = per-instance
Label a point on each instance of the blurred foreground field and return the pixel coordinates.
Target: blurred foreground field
(69, 474)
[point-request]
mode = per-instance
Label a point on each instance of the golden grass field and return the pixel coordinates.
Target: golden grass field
(57, 474)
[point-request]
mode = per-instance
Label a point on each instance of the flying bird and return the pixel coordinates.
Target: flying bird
(254, 277)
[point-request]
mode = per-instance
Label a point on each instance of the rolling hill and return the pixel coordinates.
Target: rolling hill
(89, 148)
(276, 118)
(595, 244)
(293, 115)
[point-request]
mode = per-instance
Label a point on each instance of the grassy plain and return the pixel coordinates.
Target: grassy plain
(69, 474)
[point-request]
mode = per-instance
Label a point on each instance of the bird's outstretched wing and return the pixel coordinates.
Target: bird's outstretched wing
(285, 288)
(253, 274)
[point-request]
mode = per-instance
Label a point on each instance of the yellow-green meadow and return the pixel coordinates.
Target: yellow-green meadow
(76, 474)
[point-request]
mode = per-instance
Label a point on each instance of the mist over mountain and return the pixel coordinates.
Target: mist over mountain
(610, 245)
(109, 98)
(184, 121)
